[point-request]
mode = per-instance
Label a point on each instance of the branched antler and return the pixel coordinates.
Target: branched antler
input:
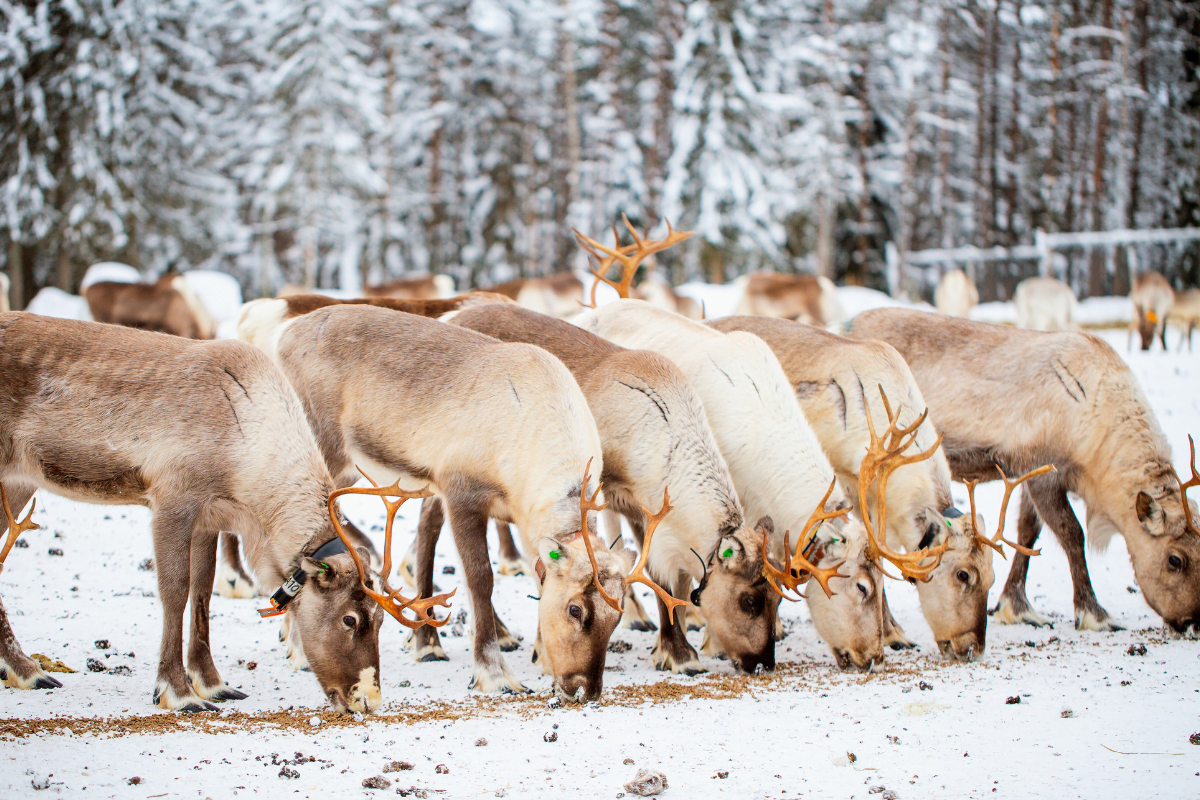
(638, 574)
(881, 460)
(392, 602)
(995, 541)
(629, 256)
(587, 504)
(1183, 487)
(15, 528)
(798, 569)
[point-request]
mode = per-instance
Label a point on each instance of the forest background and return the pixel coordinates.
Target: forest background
(320, 142)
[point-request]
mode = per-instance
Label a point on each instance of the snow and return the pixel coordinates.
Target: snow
(220, 293)
(52, 302)
(782, 736)
(109, 271)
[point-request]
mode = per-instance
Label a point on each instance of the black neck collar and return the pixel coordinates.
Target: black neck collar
(295, 582)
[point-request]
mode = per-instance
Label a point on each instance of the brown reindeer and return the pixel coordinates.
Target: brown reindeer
(1186, 312)
(645, 411)
(558, 295)
(810, 299)
(209, 436)
(495, 429)
(1009, 400)
(657, 291)
(956, 294)
(1152, 299)
(168, 305)
(426, 287)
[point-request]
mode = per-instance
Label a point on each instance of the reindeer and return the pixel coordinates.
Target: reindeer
(1007, 400)
(657, 291)
(168, 305)
(956, 294)
(426, 287)
(811, 299)
(839, 383)
(775, 459)
(1152, 299)
(1045, 304)
(495, 429)
(558, 295)
(1186, 311)
(4, 287)
(645, 412)
(210, 437)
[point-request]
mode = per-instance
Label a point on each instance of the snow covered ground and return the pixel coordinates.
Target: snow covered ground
(1093, 721)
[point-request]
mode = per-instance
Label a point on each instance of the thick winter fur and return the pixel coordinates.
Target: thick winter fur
(427, 287)
(558, 295)
(1020, 399)
(495, 429)
(1186, 313)
(655, 436)
(209, 436)
(776, 460)
(837, 382)
(811, 299)
(1045, 304)
(167, 306)
(956, 294)
(1152, 300)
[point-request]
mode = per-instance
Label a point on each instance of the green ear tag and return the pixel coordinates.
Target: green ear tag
(324, 567)
(728, 552)
(948, 525)
(554, 554)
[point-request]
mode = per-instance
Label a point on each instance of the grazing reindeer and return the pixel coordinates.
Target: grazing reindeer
(1045, 304)
(168, 305)
(1152, 299)
(773, 455)
(1186, 311)
(1011, 399)
(558, 295)
(654, 434)
(956, 294)
(657, 291)
(832, 377)
(426, 287)
(210, 437)
(495, 429)
(811, 299)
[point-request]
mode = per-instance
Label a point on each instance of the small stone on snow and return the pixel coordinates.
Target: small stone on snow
(647, 783)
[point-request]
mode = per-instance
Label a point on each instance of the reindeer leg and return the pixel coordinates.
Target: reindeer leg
(232, 578)
(468, 523)
(508, 640)
(1050, 497)
(1013, 606)
(17, 669)
(893, 635)
(672, 652)
(635, 617)
(511, 562)
(426, 644)
(172, 554)
(206, 681)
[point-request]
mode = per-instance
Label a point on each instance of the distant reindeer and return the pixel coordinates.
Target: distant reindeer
(209, 436)
(1152, 300)
(4, 286)
(1045, 304)
(810, 299)
(956, 294)
(558, 295)
(168, 306)
(657, 291)
(1008, 400)
(1186, 312)
(427, 287)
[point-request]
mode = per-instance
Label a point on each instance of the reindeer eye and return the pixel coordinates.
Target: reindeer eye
(750, 606)
(963, 576)
(576, 612)
(1174, 562)
(349, 621)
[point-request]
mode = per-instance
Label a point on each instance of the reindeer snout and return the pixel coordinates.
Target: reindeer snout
(578, 688)
(967, 647)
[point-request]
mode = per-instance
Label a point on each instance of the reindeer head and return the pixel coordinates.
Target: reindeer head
(1164, 545)
(850, 620)
(337, 617)
(578, 608)
(1147, 325)
(740, 609)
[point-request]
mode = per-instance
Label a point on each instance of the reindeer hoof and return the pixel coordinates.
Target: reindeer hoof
(46, 682)
(228, 694)
(903, 646)
(1089, 621)
(203, 705)
(431, 653)
(509, 645)
(643, 626)
(511, 568)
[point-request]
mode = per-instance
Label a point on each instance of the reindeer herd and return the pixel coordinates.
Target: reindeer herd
(750, 457)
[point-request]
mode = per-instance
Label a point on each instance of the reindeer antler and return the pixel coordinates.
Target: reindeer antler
(15, 528)
(880, 462)
(392, 602)
(630, 256)
(995, 541)
(1183, 487)
(638, 574)
(587, 504)
(798, 568)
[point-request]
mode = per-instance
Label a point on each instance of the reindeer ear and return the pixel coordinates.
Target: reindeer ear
(314, 569)
(556, 557)
(730, 552)
(765, 525)
(1150, 514)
